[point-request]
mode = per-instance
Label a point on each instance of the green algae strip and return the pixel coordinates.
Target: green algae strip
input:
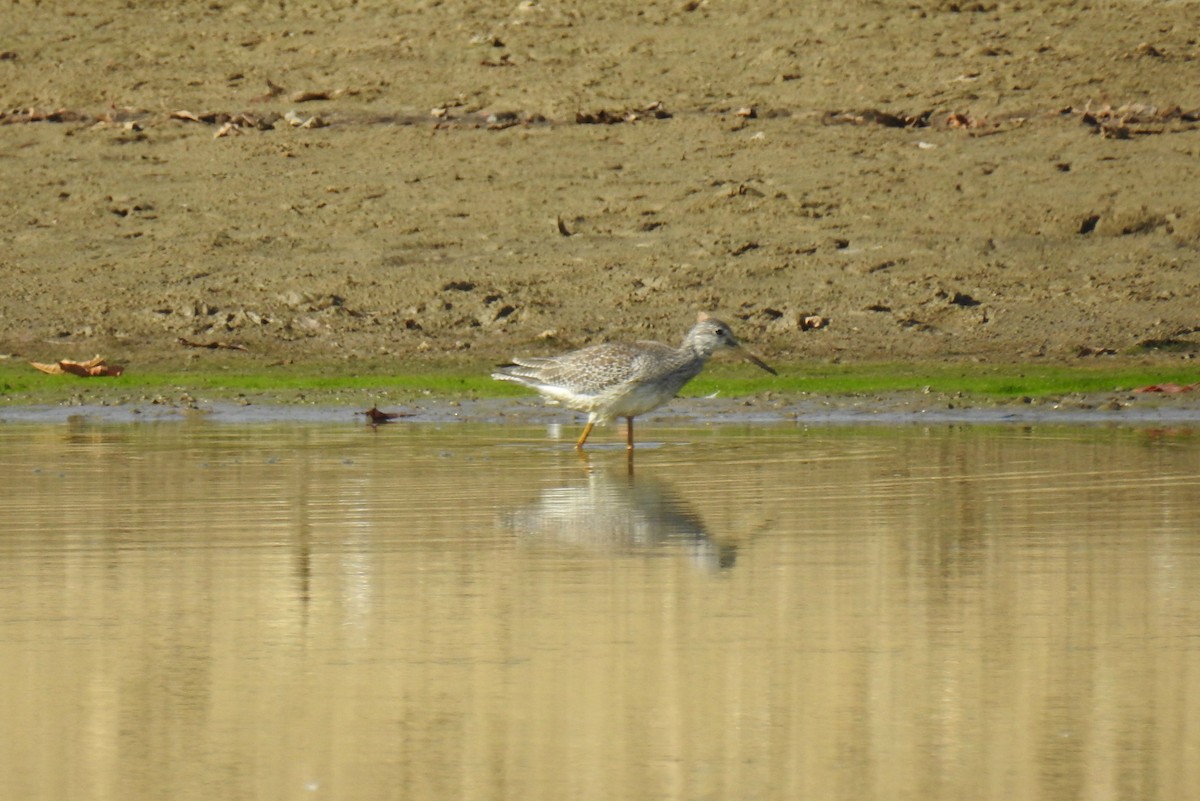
(991, 381)
(21, 384)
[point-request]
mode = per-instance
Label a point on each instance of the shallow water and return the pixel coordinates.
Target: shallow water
(197, 610)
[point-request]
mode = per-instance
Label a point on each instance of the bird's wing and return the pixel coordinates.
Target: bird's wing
(593, 369)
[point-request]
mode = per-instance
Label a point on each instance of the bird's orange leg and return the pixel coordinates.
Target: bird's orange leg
(583, 437)
(629, 433)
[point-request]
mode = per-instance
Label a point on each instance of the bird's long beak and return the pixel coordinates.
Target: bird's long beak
(750, 357)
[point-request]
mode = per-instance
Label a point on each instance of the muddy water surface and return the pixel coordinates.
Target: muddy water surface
(263, 611)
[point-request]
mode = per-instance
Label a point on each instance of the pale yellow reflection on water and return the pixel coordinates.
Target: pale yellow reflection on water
(433, 612)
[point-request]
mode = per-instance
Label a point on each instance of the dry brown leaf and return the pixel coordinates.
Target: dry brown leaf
(654, 111)
(375, 416)
(297, 121)
(1169, 388)
(93, 368)
(309, 95)
(187, 343)
(874, 115)
(811, 321)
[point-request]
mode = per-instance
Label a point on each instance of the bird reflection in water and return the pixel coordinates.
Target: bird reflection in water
(608, 513)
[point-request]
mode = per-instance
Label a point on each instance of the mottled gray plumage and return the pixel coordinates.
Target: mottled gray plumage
(615, 379)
